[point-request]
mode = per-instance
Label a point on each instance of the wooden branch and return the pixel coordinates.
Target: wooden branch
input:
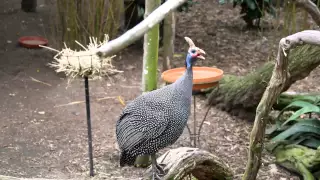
(138, 31)
(201, 164)
(311, 37)
(276, 84)
(311, 8)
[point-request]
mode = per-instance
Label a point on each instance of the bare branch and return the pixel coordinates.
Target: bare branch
(311, 37)
(138, 31)
(275, 87)
(311, 8)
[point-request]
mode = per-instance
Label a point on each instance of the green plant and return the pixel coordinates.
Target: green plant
(253, 9)
(80, 19)
(301, 127)
(295, 139)
(186, 6)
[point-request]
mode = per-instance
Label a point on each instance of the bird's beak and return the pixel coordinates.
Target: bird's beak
(201, 52)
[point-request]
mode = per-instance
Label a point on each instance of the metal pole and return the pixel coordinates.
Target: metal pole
(194, 122)
(86, 84)
(204, 118)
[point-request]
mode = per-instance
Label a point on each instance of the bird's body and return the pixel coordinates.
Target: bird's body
(156, 119)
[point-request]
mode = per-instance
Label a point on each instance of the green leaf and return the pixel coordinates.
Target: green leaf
(222, 2)
(275, 129)
(296, 104)
(306, 109)
(312, 99)
(296, 138)
(306, 126)
(251, 4)
(300, 138)
(311, 142)
(140, 11)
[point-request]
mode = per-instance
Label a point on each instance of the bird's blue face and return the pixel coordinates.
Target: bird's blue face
(193, 55)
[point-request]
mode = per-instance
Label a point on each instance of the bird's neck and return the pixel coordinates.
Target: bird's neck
(189, 72)
(184, 84)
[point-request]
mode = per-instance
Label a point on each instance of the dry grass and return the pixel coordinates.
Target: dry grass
(84, 62)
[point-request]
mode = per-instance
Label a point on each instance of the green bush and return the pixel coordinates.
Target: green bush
(295, 140)
(253, 9)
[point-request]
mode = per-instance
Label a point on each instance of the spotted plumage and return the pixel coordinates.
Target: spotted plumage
(156, 119)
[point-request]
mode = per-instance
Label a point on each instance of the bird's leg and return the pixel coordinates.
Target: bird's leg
(157, 170)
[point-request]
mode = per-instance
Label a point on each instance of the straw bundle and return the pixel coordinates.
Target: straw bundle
(84, 62)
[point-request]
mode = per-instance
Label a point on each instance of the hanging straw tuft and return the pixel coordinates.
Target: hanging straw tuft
(84, 62)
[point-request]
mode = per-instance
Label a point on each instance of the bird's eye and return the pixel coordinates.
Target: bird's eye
(193, 51)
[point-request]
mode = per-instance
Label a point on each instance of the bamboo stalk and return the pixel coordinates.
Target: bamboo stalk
(150, 54)
(150, 61)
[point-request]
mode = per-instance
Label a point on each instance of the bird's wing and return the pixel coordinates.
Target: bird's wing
(128, 134)
(134, 127)
(144, 118)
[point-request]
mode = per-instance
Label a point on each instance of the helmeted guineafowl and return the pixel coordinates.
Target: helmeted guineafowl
(156, 119)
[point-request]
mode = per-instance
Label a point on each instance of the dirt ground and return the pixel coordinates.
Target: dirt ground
(42, 138)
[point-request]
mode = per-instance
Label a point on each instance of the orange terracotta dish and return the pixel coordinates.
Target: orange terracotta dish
(203, 77)
(32, 41)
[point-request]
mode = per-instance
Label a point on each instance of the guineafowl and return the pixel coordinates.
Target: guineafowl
(156, 119)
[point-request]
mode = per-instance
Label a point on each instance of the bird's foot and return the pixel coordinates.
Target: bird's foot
(156, 176)
(160, 170)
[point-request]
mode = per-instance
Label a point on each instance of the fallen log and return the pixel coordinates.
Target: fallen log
(181, 162)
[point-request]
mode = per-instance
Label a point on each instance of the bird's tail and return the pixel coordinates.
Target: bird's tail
(126, 159)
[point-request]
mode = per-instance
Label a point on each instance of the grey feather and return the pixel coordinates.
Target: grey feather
(155, 119)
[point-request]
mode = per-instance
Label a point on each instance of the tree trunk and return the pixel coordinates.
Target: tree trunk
(181, 162)
(29, 5)
(236, 94)
(150, 62)
(279, 81)
(275, 87)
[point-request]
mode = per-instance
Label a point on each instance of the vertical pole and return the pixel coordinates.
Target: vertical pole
(194, 122)
(150, 63)
(86, 85)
